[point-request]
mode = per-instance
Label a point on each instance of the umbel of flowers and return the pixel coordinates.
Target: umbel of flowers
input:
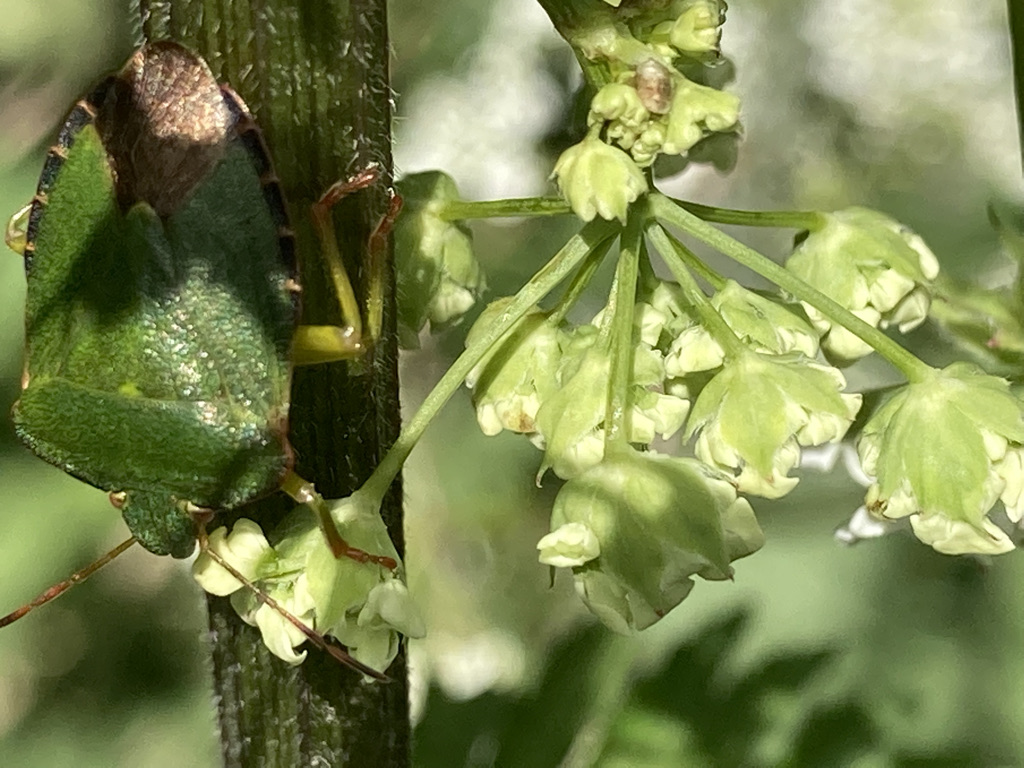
(644, 106)
(685, 393)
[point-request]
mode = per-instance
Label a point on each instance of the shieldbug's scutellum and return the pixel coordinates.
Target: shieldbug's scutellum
(162, 304)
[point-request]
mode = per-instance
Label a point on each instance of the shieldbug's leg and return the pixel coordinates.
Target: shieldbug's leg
(304, 492)
(318, 639)
(314, 344)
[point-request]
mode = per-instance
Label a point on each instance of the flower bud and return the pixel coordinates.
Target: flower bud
(438, 276)
(512, 381)
(619, 102)
(598, 180)
(697, 29)
(753, 416)
(696, 109)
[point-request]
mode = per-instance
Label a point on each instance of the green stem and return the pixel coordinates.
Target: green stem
(461, 210)
(579, 283)
(677, 257)
(913, 368)
(591, 237)
(621, 306)
(810, 220)
(605, 703)
(695, 264)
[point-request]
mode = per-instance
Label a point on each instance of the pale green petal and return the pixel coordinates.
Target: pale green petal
(956, 537)
(280, 635)
(618, 101)
(389, 606)
(693, 350)
(658, 521)
(1011, 470)
(569, 545)
(598, 180)
(245, 548)
(606, 599)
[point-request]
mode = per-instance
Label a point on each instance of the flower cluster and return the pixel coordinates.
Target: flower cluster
(873, 266)
(756, 406)
(646, 106)
(943, 451)
(549, 380)
(364, 605)
(637, 527)
(751, 404)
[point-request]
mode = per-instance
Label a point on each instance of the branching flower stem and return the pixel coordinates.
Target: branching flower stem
(621, 306)
(694, 263)
(809, 220)
(590, 238)
(579, 283)
(463, 210)
(669, 212)
(676, 257)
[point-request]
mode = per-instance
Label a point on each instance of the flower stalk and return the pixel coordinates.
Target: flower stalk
(909, 365)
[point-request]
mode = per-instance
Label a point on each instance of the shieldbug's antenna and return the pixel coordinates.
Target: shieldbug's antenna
(60, 588)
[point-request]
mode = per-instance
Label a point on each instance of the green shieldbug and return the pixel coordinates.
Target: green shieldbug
(162, 302)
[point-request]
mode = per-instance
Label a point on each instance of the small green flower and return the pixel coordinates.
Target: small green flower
(598, 180)
(570, 422)
(638, 526)
(647, 146)
(438, 276)
(873, 266)
(697, 29)
(696, 109)
(279, 635)
(569, 545)
(753, 416)
(765, 325)
(363, 605)
(618, 102)
(246, 548)
(512, 381)
(943, 451)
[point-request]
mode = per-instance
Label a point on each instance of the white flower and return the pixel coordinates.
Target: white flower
(246, 549)
(569, 545)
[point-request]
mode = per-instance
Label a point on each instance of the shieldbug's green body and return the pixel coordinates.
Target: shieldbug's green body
(161, 300)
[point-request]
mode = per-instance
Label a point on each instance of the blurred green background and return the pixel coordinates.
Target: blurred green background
(883, 654)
